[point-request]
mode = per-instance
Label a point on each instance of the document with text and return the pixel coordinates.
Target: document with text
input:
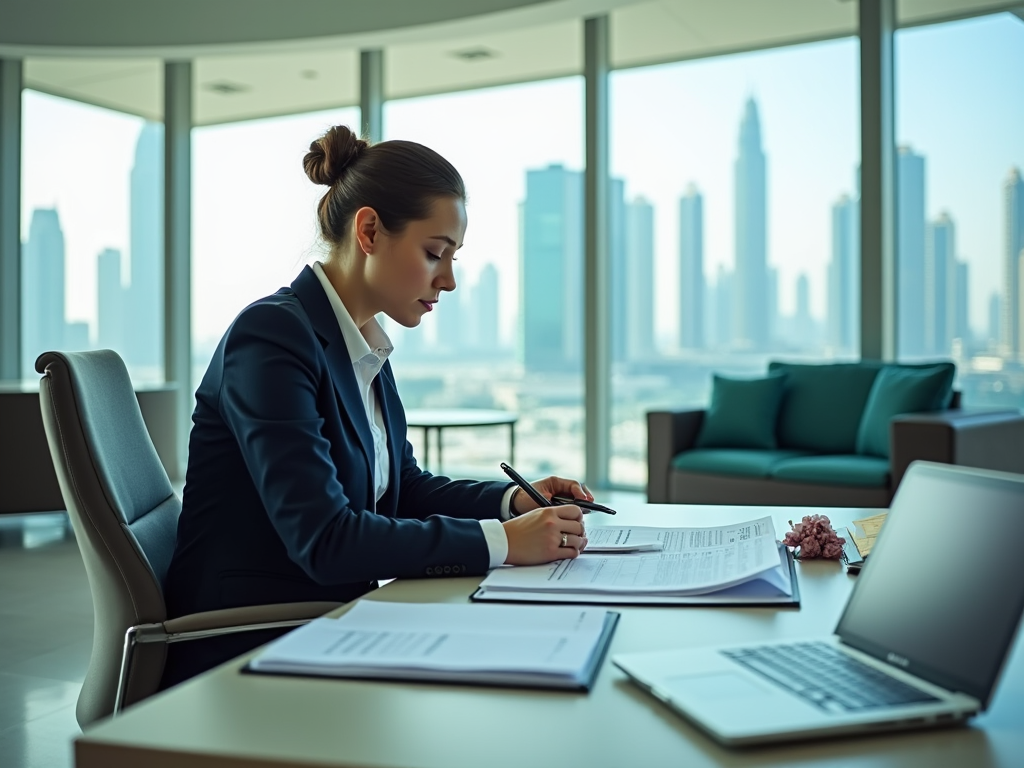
(691, 561)
(549, 646)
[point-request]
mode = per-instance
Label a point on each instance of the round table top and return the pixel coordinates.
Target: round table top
(458, 417)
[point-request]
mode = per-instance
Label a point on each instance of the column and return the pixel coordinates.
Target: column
(878, 181)
(371, 94)
(10, 220)
(596, 264)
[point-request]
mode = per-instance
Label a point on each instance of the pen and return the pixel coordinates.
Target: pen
(532, 492)
(593, 506)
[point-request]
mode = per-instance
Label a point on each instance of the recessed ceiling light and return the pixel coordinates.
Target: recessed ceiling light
(474, 54)
(225, 87)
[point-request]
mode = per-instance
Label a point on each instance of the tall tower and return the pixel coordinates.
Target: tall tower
(1013, 250)
(844, 277)
(961, 316)
(452, 335)
(691, 269)
(640, 280)
(144, 340)
(618, 267)
(42, 288)
(551, 295)
(939, 286)
(485, 309)
(750, 278)
(910, 237)
(109, 301)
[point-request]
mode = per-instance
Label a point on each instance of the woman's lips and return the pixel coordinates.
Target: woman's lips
(428, 304)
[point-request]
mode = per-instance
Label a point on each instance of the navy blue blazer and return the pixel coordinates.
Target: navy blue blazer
(278, 503)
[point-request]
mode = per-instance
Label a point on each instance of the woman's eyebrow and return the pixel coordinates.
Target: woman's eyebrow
(446, 239)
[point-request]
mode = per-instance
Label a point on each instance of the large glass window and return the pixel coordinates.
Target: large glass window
(91, 222)
(734, 226)
(510, 337)
(960, 194)
(253, 217)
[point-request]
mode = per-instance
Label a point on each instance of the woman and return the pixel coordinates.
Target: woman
(301, 485)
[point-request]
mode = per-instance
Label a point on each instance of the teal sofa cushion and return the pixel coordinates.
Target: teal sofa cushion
(821, 410)
(742, 413)
(902, 389)
(732, 461)
(849, 469)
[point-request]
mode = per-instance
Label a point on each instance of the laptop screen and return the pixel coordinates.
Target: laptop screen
(943, 590)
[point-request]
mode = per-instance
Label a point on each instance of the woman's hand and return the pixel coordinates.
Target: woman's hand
(548, 487)
(545, 534)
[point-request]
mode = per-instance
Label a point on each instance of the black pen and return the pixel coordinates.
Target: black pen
(532, 492)
(592, 506)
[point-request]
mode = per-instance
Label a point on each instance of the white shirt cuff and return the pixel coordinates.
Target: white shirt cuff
(506, 503)
(497, 541)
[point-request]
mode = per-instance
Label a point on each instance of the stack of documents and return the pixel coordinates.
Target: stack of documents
(548, 646)
(737, 564)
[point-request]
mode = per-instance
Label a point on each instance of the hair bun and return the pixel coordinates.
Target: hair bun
(331, 154)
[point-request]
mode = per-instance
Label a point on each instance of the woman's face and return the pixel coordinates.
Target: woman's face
(415, 267)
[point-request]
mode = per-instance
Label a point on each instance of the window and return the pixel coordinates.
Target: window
(960, 220)
(253, 217)
(734, 221)
(510, 337)
(91, 222)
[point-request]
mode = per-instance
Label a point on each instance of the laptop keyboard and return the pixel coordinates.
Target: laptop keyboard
(824, 676)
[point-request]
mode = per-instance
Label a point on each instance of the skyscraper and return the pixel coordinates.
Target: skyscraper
(910, 239)
(551, 296)
(619, 269)
(939, 286)
(452, 331)
(691, 269)
(844, 277)
(144, 302)
(724, 294)
(750, 279)
(110, 294)
(961, 316)
(42, 288)
(484, 310)
(639, 249)
(1013, 249)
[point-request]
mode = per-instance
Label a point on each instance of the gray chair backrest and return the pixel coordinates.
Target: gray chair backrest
(122, 508)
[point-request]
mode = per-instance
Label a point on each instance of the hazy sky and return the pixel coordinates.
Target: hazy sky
(959, 102)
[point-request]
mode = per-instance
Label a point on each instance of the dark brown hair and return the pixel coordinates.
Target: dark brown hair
(398, 179)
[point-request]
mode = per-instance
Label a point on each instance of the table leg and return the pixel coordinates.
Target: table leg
(512, 443)
(440, 457)
(426, 448)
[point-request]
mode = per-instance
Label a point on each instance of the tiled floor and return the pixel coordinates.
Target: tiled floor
(45, 639)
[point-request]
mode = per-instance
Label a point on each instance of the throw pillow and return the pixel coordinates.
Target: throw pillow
(901, 390)
(742, 413)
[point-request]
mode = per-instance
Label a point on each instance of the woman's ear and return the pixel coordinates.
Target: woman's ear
(366, 227)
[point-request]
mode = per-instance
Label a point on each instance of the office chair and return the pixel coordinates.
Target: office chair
(125, 514)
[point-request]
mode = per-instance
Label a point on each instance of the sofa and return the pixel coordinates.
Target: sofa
(839, 434)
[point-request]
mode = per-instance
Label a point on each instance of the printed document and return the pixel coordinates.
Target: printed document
(692, 561)
(616, 538)
(542, 645)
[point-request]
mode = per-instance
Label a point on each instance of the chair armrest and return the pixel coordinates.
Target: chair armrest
(985, 439)
(247, 616)
(668, 433)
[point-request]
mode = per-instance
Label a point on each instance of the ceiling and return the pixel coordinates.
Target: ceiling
(288, 64)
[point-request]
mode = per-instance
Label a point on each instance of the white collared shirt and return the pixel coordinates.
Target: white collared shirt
(369, 348)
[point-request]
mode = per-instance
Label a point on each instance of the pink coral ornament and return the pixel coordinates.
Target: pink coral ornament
(815, 538)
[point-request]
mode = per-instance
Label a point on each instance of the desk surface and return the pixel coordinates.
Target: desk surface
(224, 718)
(458, 417)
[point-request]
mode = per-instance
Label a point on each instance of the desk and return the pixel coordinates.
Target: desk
(226, 719)
(440, 419)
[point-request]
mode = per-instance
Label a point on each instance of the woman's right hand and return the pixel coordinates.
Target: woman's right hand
(536, 537)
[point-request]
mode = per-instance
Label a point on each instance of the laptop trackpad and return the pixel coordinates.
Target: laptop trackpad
(715, 686)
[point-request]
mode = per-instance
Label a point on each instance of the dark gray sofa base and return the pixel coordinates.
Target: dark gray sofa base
(701, 488)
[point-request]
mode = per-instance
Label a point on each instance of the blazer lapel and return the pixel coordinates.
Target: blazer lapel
(311, 293)
(387, 393)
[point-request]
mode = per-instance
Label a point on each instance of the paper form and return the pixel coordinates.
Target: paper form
(692, 561)
(382, 636)
(614, 538)
(865, 531)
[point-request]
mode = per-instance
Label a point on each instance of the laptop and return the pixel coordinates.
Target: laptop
(921, 642)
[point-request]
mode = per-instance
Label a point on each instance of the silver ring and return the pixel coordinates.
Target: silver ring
(565, 539)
